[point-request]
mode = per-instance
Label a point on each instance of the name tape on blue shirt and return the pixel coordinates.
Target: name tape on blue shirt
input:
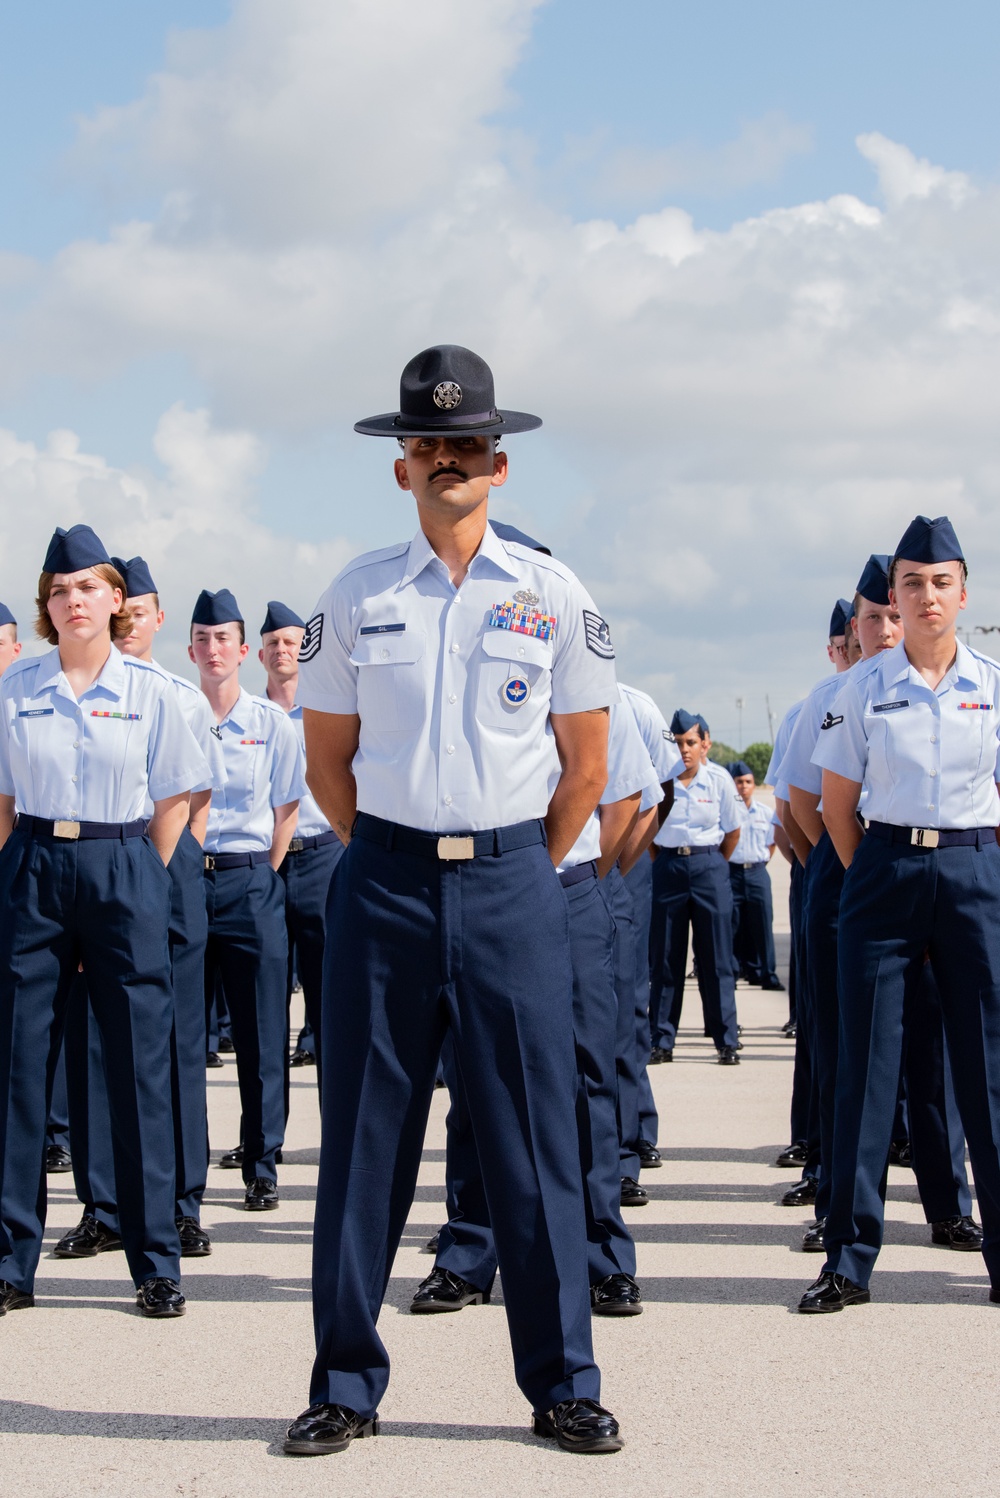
(382, 629)
(890, 707)
(36, 712)
(312, 639)
(522, 620)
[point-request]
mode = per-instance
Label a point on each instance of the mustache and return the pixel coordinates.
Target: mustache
(457, 473)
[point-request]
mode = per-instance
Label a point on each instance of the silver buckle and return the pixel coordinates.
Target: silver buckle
(70, 830)
(684, 851)
(296, 845)
(924, 837)
(456, 847)
(209, 861)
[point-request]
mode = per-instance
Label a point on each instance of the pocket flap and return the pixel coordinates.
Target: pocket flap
(507, 645)
(388, 649)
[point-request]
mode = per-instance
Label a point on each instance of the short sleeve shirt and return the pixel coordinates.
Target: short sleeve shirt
(702, 813)
(656, 735)
(311, 821)
(774, 777)
(265, 768)
(630, 770)
(756, 833)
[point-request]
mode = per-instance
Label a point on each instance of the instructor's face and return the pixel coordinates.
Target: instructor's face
(450, 475)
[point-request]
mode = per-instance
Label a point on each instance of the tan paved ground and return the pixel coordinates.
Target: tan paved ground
(719, 1388)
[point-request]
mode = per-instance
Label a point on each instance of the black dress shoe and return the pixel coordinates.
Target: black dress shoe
(88, 1238)
(214, 1059)
(773, 985)
(633, 1195)
(617, 1295)
(812, 1238)
(795, 1155)
(13, 1299)
(728, 1055)
(802, 1194)
(57, 1160)
(325, 1428)
(160, 1297)
(261, 1195)
(302, 1058)
(649, 1156)
(226, 1047)
(994, 1295)
(579, 1425)
(444, 1291)
(660, 1054)
(962, 1233)
(789, 1029)
(832, 1292)
(232, 1159)
(901, 1154)
(431, 1246)
(195, 1242)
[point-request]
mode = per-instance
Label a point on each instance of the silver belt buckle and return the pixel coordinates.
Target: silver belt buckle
(456, 847)
(296, 845)
(684, 850)
(209, 859)
(70, 830)
(924, 837)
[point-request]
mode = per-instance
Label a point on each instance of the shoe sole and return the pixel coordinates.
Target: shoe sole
(327, 1448)
(23, 1303)
(650, 1164)
(613, 1308)
(635, 1202)
(201, 1252)
(168, 1313)
(958, 1248)
(862, 1299)
(230, 1164)
(85, 1253)
(433, 1307)
(602, 1446)
(261, 1206)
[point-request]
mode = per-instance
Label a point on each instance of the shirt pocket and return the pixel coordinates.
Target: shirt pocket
(508, 660)
(392, 693)
(242, 762)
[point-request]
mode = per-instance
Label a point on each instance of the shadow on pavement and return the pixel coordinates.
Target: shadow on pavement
(892, 1287)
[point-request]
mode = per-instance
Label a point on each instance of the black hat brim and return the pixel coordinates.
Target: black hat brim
(393, 424)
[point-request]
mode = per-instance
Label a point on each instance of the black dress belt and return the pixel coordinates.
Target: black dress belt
(577, 874)
(399, 839)
(318, 840)
(688, 850)
(72, 832)
(235, 860)
(933, 837)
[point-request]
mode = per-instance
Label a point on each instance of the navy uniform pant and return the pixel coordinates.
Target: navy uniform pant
(639, 880)
(57, 1132)
(753, 922)
(804, 1113)
(106, 904)
(466, 1245)
(900, 904)
(692, 891)
(480, 947)
(90, 1117)
(306, 876)
(630, 1064)
(247, 949)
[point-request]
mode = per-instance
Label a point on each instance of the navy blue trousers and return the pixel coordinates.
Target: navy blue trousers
(105, 904)
(306, 876)
(247, 949)
(899, 904)
(629, 1062)
(57, 1132)
(89, 1113)
(692, 892)
(640, 886)
(805, 1112)
(466, 1245)
(480, 947)
(753, 922)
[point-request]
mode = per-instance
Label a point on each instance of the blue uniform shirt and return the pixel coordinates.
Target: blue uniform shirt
(265, 768)
(756, 832)
(630, 769)
(311, 820)
(655, 735)
(101, 758)
(774, 777)
(201, 720)
(926, 757)
(797, 767)
(454, 702)
(702, 813)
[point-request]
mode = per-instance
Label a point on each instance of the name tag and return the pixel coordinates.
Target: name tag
(890, 707)
(522, 620)
(982, 707)
(253, 741)
(382, 629)
(126, 717)
(36, 712)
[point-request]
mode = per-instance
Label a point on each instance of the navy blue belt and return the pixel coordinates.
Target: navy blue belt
(319, 840)
(76, 831)
(688, 850)
(235, 860)
(577, 874)
(933, 837)
(399, 839)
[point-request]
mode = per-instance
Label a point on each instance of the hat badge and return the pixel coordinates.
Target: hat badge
(447, 395)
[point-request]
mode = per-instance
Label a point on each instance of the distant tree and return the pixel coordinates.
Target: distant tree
(722, 753)
(758, 757)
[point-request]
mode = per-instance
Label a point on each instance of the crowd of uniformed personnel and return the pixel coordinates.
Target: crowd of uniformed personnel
(503, 854)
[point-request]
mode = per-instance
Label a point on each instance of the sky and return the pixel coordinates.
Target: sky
(742, 260)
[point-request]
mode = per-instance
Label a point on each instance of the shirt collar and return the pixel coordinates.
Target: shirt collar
(110, 682)
(492, 554)
(239, 713)
(898, 668)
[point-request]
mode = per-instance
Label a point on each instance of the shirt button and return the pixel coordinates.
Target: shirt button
(384, 654)
(933, 773)
(454, 650)
(76, 744)
(447, 800)
(933, 738)
(521, 650)
(452, 696)
(73, 778)
(451, 748)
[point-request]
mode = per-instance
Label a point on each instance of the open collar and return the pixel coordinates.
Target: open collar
(491, 556)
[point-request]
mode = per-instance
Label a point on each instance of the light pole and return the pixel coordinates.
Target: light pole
(739, 707)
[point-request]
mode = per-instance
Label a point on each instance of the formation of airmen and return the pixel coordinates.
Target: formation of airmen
(484, 858)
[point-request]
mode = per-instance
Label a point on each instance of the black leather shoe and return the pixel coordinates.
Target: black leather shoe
(660, 1054)
(812, 1238)
(994, 1295)
(325, 1428)
(617, 1295)
(226, 1047)
(728, 1055)
(160, 1297)
(261, 1195)
(302, 1058)
(195, 1242)
(579, 1425)
(444, 1291)
(13, 1299)
(633, 1195)
(88, 1238)
(214, 1059)
(431, 1246)
(802, 1194)
(901, 1154)
(832, 1292)
(773, 985)
(57, 1160)
(794, 1156)
(962, 1233)
(649, 1156)
(232, 1159)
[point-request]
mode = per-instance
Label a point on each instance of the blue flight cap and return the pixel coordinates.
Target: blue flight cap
(738, 767)
(511, 533)
(683, 722)
(874, 581)
(703, 725)
(216, 608)
(136, 574)
(838, 619)
(929, 541)
(6, 617)
(280, 616)
(74, 550)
